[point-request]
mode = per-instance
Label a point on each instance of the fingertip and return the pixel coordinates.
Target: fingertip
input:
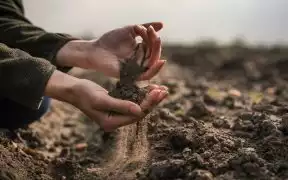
(154, 69)
(150, 28)
(158, 26)
(154, 94)
(163, 95)
(135, 110)
(150, 87)
(165, 88)
(161, 63)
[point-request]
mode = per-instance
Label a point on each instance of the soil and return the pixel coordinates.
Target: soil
(126, 88)
(226, 117)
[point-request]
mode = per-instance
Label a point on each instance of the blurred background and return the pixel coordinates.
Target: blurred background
(186, 21)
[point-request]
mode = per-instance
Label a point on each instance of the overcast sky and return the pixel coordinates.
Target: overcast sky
(184, 20)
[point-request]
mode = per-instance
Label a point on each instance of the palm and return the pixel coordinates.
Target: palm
(119, 44)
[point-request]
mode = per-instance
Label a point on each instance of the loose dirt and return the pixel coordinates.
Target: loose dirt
(226, 117)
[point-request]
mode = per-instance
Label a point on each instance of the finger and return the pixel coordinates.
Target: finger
(156, 25)
(152, 71)
(165, 88)
(150, 101)
(150, 87)
(140, 57)
(155, 50)
(110, 123)
(120, 106)
(142, 32)
(153, 37)
(163, 94)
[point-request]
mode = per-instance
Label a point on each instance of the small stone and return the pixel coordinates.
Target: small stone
(234, 92)
(271, 90)
(81, 146)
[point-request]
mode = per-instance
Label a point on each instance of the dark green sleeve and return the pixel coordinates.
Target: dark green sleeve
(23, 78)
(16, 31)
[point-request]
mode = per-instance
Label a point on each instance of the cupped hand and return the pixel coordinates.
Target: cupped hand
(119, 44)
(96, 104)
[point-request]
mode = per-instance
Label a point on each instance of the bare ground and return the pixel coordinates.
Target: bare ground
(225, 118)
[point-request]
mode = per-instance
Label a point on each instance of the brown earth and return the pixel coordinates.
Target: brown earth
(226, 118)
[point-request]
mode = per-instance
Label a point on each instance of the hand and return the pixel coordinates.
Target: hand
(94, 101)
(96, 104)
(105, 53)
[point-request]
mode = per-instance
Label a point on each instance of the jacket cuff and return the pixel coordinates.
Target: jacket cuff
(55, 41)
(24, 78)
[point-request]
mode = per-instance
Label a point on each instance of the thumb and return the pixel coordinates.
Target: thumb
(156, 25)
(122, 106)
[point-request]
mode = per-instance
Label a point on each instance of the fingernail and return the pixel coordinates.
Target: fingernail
(156, 92)
(136, 110)
(163, 94)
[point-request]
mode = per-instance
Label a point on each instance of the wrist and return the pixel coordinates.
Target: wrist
(75, 53)
(60, 86)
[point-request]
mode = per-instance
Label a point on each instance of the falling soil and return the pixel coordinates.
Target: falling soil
(226, 117)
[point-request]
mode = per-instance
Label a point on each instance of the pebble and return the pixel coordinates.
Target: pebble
(81, 146)
(234, 92)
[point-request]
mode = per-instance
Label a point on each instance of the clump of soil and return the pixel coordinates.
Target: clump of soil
(130, 70)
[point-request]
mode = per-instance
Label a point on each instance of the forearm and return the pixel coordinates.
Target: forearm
(75, 54)
(61, 86)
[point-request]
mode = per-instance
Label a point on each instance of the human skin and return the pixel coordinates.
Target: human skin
(103, 55)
